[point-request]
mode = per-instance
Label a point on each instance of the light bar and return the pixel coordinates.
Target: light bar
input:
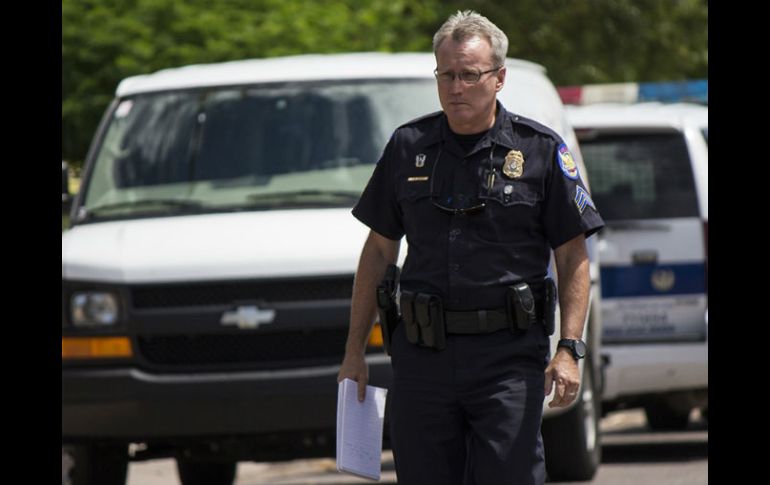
(673, 92)
(695, 91)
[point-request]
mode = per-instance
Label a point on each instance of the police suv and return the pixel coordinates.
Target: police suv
(207, 275)
(649, 178)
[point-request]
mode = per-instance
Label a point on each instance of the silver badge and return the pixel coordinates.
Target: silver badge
(419, 160)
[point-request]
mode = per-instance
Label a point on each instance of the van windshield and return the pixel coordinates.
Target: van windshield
(247, 148)
(640, 175)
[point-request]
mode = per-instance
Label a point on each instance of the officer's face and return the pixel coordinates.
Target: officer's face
(470, 108)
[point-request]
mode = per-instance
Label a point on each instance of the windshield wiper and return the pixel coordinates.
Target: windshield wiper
(186, 205)
(309, 196)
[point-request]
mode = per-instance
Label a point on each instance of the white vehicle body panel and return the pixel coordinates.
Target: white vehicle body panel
(655, 368)
(236, 246)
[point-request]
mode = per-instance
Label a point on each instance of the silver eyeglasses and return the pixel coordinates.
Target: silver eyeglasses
(468, 77)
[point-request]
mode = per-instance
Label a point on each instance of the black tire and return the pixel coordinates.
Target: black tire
(195, 472)
(572, 448)
(665, 416)
(98, 464)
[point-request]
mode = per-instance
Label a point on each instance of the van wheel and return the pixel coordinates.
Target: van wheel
(195, 472)
(665, 416)
(97, 464)
(571, 440)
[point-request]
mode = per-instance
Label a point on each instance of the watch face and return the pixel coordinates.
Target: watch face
(580, 348)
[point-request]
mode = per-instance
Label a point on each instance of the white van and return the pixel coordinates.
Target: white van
(207, 275)
(648, 164)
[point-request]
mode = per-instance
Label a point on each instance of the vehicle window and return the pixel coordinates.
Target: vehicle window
(640, 176)
(227, 147)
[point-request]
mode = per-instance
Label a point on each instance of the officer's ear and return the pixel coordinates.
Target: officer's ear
(500, 81)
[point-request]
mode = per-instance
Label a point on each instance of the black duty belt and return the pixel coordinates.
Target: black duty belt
(427, 324)
(479, 321)
(483, 321)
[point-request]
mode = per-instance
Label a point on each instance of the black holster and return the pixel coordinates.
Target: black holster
(522, 313)
(525, 309)
(423, 316)
(386, 305)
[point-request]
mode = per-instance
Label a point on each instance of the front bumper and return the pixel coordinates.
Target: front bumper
(132, 405)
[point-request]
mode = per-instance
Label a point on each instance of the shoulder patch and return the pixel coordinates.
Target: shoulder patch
(566, 162)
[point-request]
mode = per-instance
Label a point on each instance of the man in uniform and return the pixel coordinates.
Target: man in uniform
(482, 196)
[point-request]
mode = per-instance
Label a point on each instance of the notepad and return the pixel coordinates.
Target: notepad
(359, 429)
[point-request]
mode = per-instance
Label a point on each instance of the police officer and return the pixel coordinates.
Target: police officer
(482, 196)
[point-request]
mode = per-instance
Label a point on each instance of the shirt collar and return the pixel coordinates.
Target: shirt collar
(498, 134)
(502, 132)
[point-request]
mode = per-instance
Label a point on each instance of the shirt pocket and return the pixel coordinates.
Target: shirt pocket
(512, 212)
(508, 193)
(414, 200)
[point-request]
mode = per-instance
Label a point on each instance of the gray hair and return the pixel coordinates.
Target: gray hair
(468, 24)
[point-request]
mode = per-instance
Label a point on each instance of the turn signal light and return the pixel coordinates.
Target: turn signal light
(375, 338)
(95, 347)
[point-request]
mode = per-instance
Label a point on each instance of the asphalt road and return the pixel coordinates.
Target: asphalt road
(632, 455)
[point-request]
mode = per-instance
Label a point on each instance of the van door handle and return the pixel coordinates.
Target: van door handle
(644, 257)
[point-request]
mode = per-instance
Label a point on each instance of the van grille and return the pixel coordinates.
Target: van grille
(205, 294)
(254, 351)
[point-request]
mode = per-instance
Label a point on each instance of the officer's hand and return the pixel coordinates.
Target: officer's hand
(354, 367)
(564, 372)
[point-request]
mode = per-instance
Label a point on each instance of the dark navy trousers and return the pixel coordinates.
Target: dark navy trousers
(469, 414)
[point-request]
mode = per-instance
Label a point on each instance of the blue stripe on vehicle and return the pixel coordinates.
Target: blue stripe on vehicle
(630, 281)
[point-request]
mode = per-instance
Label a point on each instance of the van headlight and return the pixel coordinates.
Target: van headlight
(94, 308)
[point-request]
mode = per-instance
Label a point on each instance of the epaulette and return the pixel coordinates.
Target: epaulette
(430, 116)
(534, 125)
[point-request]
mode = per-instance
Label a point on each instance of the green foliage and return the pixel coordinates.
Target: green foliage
(600, 41)
(579, 41)
(104, 41)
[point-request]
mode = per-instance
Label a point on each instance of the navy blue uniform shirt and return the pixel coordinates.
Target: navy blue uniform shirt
(469, 259)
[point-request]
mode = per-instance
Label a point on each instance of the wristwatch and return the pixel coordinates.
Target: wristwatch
(577, 347)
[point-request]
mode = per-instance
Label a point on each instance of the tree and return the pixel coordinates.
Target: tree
(578, 41)
(104, 41)
(599, 41)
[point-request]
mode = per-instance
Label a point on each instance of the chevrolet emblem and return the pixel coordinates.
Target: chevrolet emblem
(248, 317)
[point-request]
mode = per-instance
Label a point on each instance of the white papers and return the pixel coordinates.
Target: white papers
(359, 429)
